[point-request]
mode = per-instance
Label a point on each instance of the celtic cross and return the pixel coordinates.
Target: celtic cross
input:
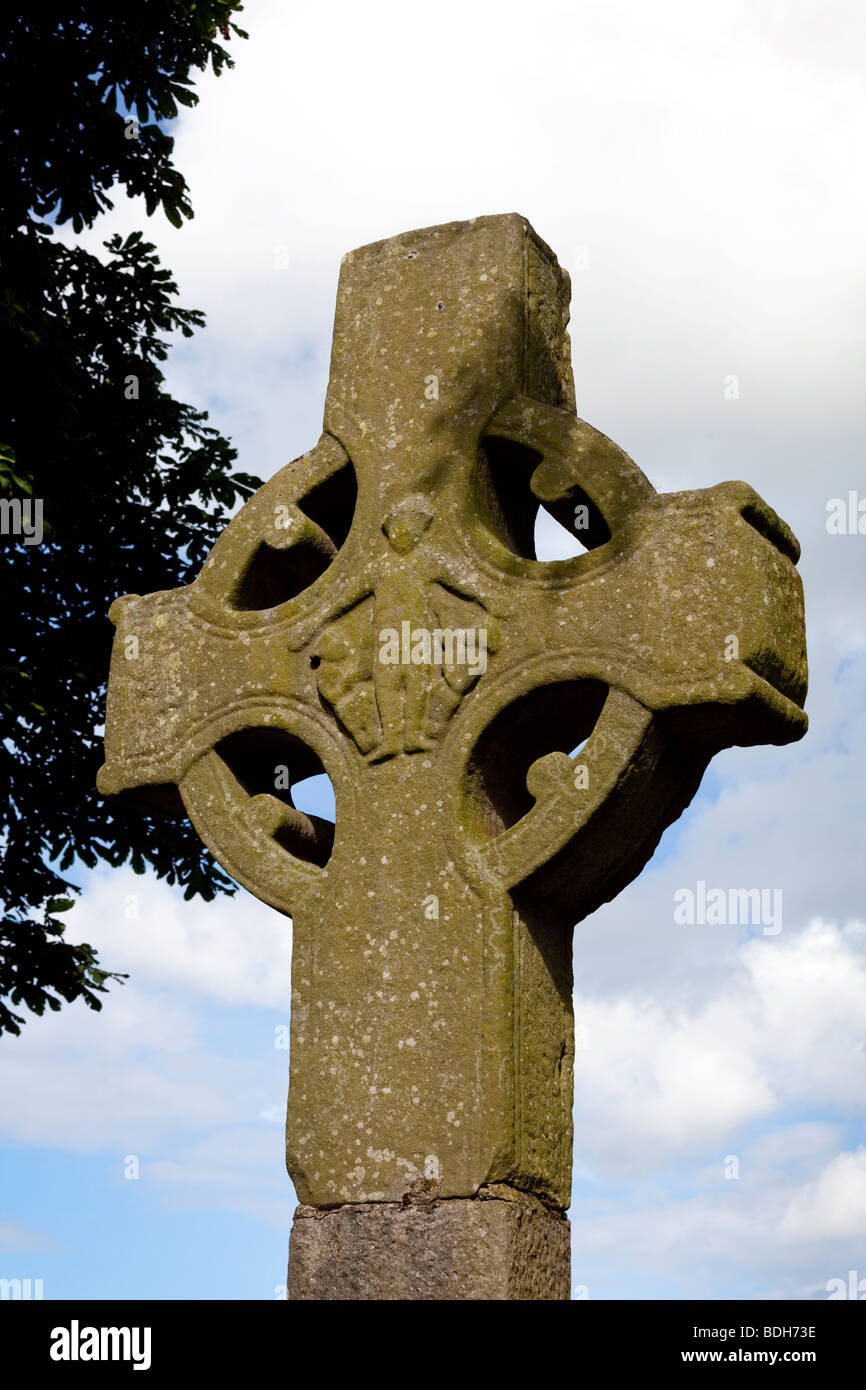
(377, 611)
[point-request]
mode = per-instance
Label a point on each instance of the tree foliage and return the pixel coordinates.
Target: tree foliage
(135, 486)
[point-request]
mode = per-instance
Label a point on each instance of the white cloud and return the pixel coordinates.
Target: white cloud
(655, 1084)
(714, 1235)
(699, 164)
(795, 1145)
(833, 1204)
(138, 1076)
(91, 1083)
(235, 950)
(158, 1072)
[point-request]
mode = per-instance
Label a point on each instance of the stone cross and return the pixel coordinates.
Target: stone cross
(377, 611)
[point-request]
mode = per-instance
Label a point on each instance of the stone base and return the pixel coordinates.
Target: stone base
(501, 1244)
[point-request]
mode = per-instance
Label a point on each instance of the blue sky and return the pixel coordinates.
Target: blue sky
(697, 170)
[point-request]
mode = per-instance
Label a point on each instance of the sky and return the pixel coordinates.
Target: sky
(698, 170)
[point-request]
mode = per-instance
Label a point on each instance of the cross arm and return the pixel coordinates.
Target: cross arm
(690, 613)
